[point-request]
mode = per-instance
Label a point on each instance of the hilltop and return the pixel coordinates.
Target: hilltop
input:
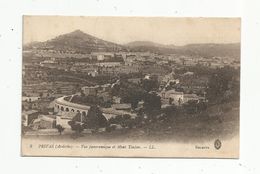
(77, 41)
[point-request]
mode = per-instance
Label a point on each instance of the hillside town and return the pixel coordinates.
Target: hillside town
(67, 92)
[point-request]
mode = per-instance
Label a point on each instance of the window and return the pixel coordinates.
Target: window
(62, 109)
(72, 110)
(67, 109)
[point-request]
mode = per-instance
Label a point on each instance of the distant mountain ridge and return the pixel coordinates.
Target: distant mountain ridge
(144, 43)
(78, 41)
(205, 49)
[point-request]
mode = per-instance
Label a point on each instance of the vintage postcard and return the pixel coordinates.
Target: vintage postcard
(130, 87)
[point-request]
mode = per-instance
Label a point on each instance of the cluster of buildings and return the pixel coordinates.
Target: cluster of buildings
(215, 62)
(111, 64)
(100, 63)
(170, 92)
(65, 108)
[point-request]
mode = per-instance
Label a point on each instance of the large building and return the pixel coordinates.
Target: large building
(68, 109)
(179, 97)
(95, 90)
(90, 90)
(175, 96)
(100, 56)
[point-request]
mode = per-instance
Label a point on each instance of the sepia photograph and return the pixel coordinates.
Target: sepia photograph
(130, 87)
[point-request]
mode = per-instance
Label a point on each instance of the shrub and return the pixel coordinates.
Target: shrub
(60, 128)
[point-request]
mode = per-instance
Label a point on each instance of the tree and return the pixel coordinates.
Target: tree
(152, 104)
(125, 121)
(170, 100)
(60, 128)
(170, 113)
(150, 84)
(191, 107)
(221, 81)
(76, 123)
(115, 90)
(82, 94)
(76, 126)
(179, 101)
(131, 93)
(95, 119)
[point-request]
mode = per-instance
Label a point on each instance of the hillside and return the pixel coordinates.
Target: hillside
(76, 41)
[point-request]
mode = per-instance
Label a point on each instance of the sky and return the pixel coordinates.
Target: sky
(122, 30)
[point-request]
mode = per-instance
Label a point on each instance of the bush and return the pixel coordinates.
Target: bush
(111, 128)
(124, 120)
(95, 119)
(76, 126)
(60, 128)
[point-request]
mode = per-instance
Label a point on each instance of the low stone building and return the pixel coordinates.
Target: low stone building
(29, 116)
